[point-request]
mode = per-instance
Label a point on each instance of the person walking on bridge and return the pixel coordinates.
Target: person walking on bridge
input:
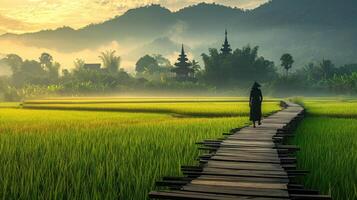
(255, 104)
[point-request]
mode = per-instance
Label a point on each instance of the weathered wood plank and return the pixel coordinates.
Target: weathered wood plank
(233, 171)
(248, 142)
(278, 186)
(240, 158)
(181, 195)
(243, 173)
(240, 179)
(245, 165)
(227, 190)
(250, 155)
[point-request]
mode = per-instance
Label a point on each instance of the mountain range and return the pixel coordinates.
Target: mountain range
(308, 29)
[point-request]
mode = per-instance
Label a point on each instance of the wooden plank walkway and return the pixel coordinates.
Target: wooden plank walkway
(251, 163)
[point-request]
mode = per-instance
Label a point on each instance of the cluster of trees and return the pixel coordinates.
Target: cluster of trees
(42, 77)
(317, 77)
(84, 79)
(25, 72)
(28, 76)
(154, 68)
(237, 69)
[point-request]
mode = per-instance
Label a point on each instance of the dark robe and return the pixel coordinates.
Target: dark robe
(255, 102)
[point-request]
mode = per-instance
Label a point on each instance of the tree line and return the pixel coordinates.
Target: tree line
(223, 69)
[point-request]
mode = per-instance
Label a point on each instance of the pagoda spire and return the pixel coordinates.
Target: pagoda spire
(226, 47)
(182, 57)
(182, 67)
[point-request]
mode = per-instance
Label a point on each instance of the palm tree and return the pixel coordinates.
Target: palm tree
(46, 60)
(78, 64)
(287, 62)
(110, 61)
(195, 66)
(327, 69)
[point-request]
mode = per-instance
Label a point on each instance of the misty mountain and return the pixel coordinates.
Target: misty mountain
(329, 13)
(4, 67)
(164, 46)
(309, 29)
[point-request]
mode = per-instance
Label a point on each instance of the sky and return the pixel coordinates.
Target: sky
(20, 16)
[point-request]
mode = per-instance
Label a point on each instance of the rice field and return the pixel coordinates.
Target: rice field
(328, 141)
(336, 109)
(106, 150)
(183, 109)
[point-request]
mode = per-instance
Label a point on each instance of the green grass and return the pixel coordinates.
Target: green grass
(79, 154)
(328, 141)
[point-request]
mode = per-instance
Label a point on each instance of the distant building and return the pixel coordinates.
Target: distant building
(183, 68)
(226, 47)
(92, 66)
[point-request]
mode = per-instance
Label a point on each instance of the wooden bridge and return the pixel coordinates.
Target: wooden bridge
(250, 163)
